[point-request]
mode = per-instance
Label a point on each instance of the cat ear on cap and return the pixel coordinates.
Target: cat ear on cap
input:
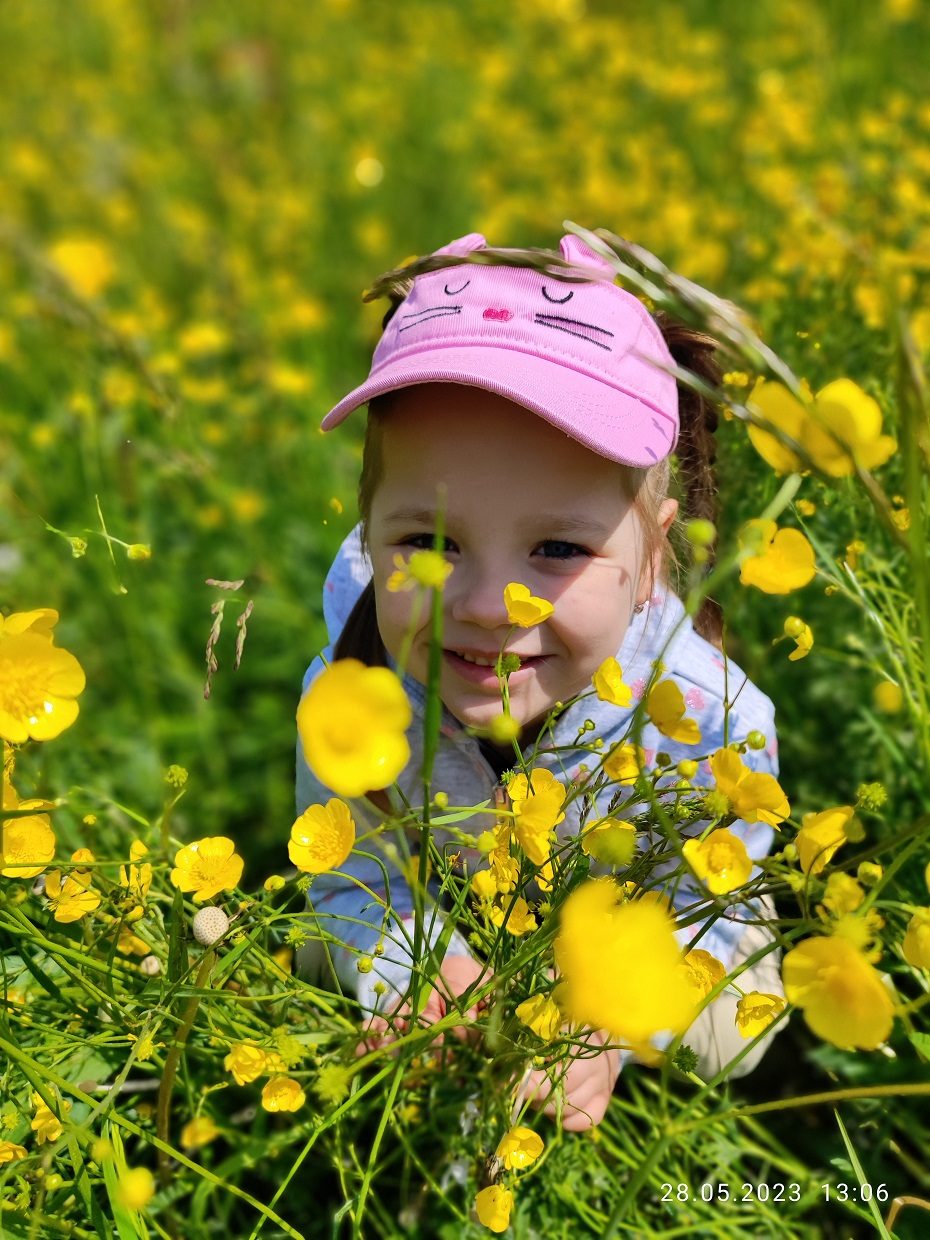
(464, 245)
(577, 251)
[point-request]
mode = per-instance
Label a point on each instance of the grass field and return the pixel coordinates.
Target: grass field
(193, 198)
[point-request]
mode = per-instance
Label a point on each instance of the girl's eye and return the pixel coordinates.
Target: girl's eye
(573, 548)
(426, 539)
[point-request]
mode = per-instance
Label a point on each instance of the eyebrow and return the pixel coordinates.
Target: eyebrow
(561, 520)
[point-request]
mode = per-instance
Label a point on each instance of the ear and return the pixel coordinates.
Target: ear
(668, 510)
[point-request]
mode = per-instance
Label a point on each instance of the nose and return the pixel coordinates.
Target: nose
(475, 596)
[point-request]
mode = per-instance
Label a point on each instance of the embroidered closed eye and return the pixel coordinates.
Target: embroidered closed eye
(431, 312)
(455, 292)
(559, 301)
(575, 327)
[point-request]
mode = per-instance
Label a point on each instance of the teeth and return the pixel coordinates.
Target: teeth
(479, 662)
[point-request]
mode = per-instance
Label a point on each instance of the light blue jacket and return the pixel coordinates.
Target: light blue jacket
(356, 922)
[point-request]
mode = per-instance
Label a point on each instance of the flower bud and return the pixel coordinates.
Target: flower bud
(756, 740)
(441, 800)
(209, 925)
(274, 882)
(700, 533)
(687, 768)
(150, 966)
(364, 964)
(793, 627)
(139, 551)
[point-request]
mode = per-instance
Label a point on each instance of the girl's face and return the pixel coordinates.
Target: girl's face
(517, 493)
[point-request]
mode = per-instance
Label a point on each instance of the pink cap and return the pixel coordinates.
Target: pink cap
(581, 355)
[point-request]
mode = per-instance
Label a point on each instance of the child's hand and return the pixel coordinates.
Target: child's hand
(456, 975)
(588, 1083)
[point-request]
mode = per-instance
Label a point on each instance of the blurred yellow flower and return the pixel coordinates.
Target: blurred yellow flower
(322, 837)
(87, 264)
(621, 965)
(283, 1093)
(27, 844)
(842, 996)
(425, 568)
(135, 1188)
(755, 1011)
(494, 1205)
(609, 686)
(519, 918)
(704, 970)
(519, 1148)
(781, 560)
(751, 795)
(38, 681)
(286, 380)
(916, 945)
(623, 763)
(610, 841)
(888, 697)
(665, 706)
(541, 1014)
(247, 506)
(352, 723)
(524, 608)
(801, 634)
(537, 806)
(842, 895)
(202, 339)
(721, 861)
(821, 834)
(246, 1062)
(786, 413)
(207, 867)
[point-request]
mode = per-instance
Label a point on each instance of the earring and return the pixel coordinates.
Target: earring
(639, 607)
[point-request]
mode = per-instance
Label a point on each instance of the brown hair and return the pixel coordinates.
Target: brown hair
(694, 475)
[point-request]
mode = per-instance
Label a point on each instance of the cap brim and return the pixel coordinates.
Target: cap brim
(615, 424)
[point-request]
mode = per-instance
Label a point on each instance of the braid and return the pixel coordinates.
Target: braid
(697, 448)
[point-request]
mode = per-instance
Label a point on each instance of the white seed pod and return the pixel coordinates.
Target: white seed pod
(150, 966)
(210, 924)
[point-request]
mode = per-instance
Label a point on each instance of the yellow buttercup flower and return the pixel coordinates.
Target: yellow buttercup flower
(621, 966)
(842, 895)
(755, 1012)
(610, 841)
(721, 861)
(751, 795)
(541, 1014)
(424, 568)
(519, 1148)
(45, 1123)
(484, 885)
(10, 1152)
(38, 681)
(198, 1132)
(916, 945)
(782, 560)
(246, 1062)
(665, 706)
(786, 413)
(71, 896)
(494, 1205)
(207, 867)
(524, 608)
(27, 844)
(537, 806)
(609, 686)
(801, 635)
(352, 723)
(322, 837)
(137, 879)
(87, 264)
(136, 1188)
(519, 918)
(842, 996)
(705, 970)
(624, 763)
(283, 1093)
(854, 419)
(821, 834)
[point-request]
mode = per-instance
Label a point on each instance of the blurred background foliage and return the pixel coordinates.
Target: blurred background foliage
(193, 196)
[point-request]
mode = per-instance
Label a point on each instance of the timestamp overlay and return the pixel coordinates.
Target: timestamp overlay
(771, 1192)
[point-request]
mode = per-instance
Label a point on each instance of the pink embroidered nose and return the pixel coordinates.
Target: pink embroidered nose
(499, 316)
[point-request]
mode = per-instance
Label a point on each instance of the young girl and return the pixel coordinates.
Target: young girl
(540, 403)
